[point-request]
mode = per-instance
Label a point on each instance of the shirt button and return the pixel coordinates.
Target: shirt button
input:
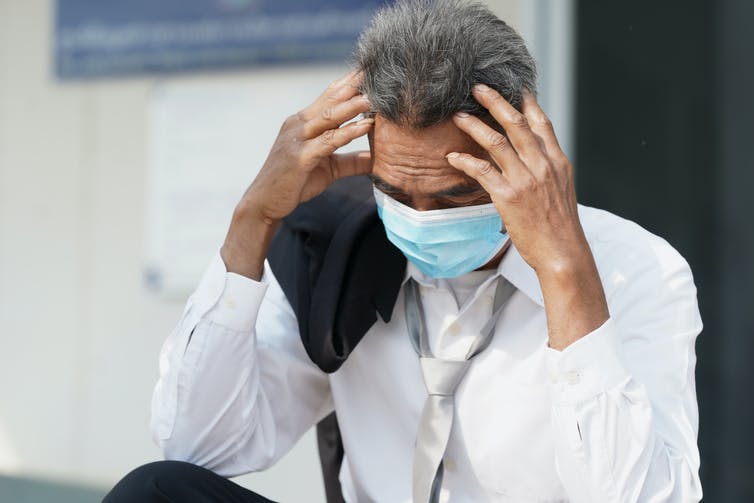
(454, 329)
(230, 303)
(573, 377)
(449, 464)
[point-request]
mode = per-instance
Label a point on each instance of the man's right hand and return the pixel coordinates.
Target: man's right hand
(301, 165)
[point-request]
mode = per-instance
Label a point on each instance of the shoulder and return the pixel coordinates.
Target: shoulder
(620, 244)
(643, 275)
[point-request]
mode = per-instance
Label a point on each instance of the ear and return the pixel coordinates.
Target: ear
(370, 139)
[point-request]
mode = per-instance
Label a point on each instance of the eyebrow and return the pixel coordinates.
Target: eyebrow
(460, 190)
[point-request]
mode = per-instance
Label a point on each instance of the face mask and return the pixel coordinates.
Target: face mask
(443, 243)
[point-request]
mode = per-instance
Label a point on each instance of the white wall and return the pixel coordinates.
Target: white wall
(79, 333)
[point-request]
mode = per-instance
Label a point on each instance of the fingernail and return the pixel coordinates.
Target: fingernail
(368, 120)
(462, 114)
(452, 155)
(481, 87)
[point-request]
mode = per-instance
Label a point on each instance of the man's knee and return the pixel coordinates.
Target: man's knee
(161, 481)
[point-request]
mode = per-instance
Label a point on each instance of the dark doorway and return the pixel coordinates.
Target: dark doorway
(664, 137)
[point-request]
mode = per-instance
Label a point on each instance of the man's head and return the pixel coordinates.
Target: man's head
(420, 59)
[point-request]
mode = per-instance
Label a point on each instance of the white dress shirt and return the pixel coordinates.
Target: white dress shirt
(612, 418)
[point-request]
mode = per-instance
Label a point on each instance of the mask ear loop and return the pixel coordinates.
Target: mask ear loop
(459, 213)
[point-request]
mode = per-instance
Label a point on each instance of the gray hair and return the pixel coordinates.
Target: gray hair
(420, 59)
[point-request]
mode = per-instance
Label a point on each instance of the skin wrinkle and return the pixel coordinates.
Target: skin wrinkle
(531, 186)
(412, 163)
(457, 191)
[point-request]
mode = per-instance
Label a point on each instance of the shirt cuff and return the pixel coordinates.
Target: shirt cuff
(229, 299)
(588, 367)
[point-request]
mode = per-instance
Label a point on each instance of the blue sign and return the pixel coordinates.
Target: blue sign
(96, 38)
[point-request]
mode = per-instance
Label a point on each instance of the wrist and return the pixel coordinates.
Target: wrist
(248, 240)
(574, 299)
(248, 212)
(566, 267)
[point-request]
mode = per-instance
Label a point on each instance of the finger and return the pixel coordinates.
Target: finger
(341, 90)
(333, 116)
(540, 124)
(494, 142)
(543, 128)
(515, 123)
(332, 139)
(346, 87)
(481, 170)
(352, 163)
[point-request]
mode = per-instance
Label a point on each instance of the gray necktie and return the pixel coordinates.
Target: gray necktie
(441, 378)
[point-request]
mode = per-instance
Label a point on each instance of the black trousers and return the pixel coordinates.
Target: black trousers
(178, 482)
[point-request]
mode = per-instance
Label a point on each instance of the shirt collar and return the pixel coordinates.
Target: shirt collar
(512, 267)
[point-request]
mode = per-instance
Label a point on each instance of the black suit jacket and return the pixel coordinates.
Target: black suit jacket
(339, 271)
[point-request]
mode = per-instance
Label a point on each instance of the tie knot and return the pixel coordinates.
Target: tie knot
(442, 376)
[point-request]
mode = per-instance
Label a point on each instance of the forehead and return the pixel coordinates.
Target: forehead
(414, 159)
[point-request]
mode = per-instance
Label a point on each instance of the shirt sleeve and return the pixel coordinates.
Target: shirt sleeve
(236, 388)
(624, 400)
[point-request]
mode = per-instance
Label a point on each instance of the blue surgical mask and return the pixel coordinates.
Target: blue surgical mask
(443, 243)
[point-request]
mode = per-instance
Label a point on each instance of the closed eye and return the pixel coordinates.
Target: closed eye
(464, 194)
(460, 191)
(388, 189)
(482, 198)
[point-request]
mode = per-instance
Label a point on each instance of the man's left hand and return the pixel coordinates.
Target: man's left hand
(530, 181)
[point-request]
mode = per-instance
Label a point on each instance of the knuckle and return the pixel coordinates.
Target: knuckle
(519, 120)
(514, 195)
(496, 140)
(522, 185)
(328, 113)
(546, 164)
(562, 160)
(305, 130)
(483, 167)
(543, 121)
(565, 168)
(508, 194)
(328, 137)
(529, 185)
(545, 171)
(291, 121)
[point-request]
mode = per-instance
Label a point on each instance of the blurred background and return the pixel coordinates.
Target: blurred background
(128, 131)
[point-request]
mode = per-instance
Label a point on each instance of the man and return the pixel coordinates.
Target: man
(530, 349)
